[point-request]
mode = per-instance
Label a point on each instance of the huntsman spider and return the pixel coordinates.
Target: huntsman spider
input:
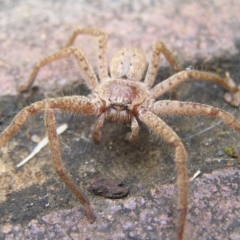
(125, 95)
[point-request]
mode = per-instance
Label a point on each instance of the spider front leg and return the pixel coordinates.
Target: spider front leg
(84, 65)
(102, 39)
(170, 83)
(72, 104)
(57, 163)
(190, 108)
(164, 131)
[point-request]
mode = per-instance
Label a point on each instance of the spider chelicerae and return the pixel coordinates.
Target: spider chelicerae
(122, 97)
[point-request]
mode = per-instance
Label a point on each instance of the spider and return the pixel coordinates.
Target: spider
(126, 96)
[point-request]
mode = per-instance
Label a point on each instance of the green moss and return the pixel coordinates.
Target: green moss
(230, 151)
(218, 71)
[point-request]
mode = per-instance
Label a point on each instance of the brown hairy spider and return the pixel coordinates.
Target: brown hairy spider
(123, 98)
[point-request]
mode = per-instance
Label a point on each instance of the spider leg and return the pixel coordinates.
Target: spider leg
(72, 104)
(57, 163)
(132, 136)
(97, 127)
(182, 76)
(102, 38)
(84, 65)
(157, 49)
(164, 131)
(190, 108)
(19, 120)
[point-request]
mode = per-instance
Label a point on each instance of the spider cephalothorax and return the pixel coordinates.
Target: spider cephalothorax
(123, 98)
